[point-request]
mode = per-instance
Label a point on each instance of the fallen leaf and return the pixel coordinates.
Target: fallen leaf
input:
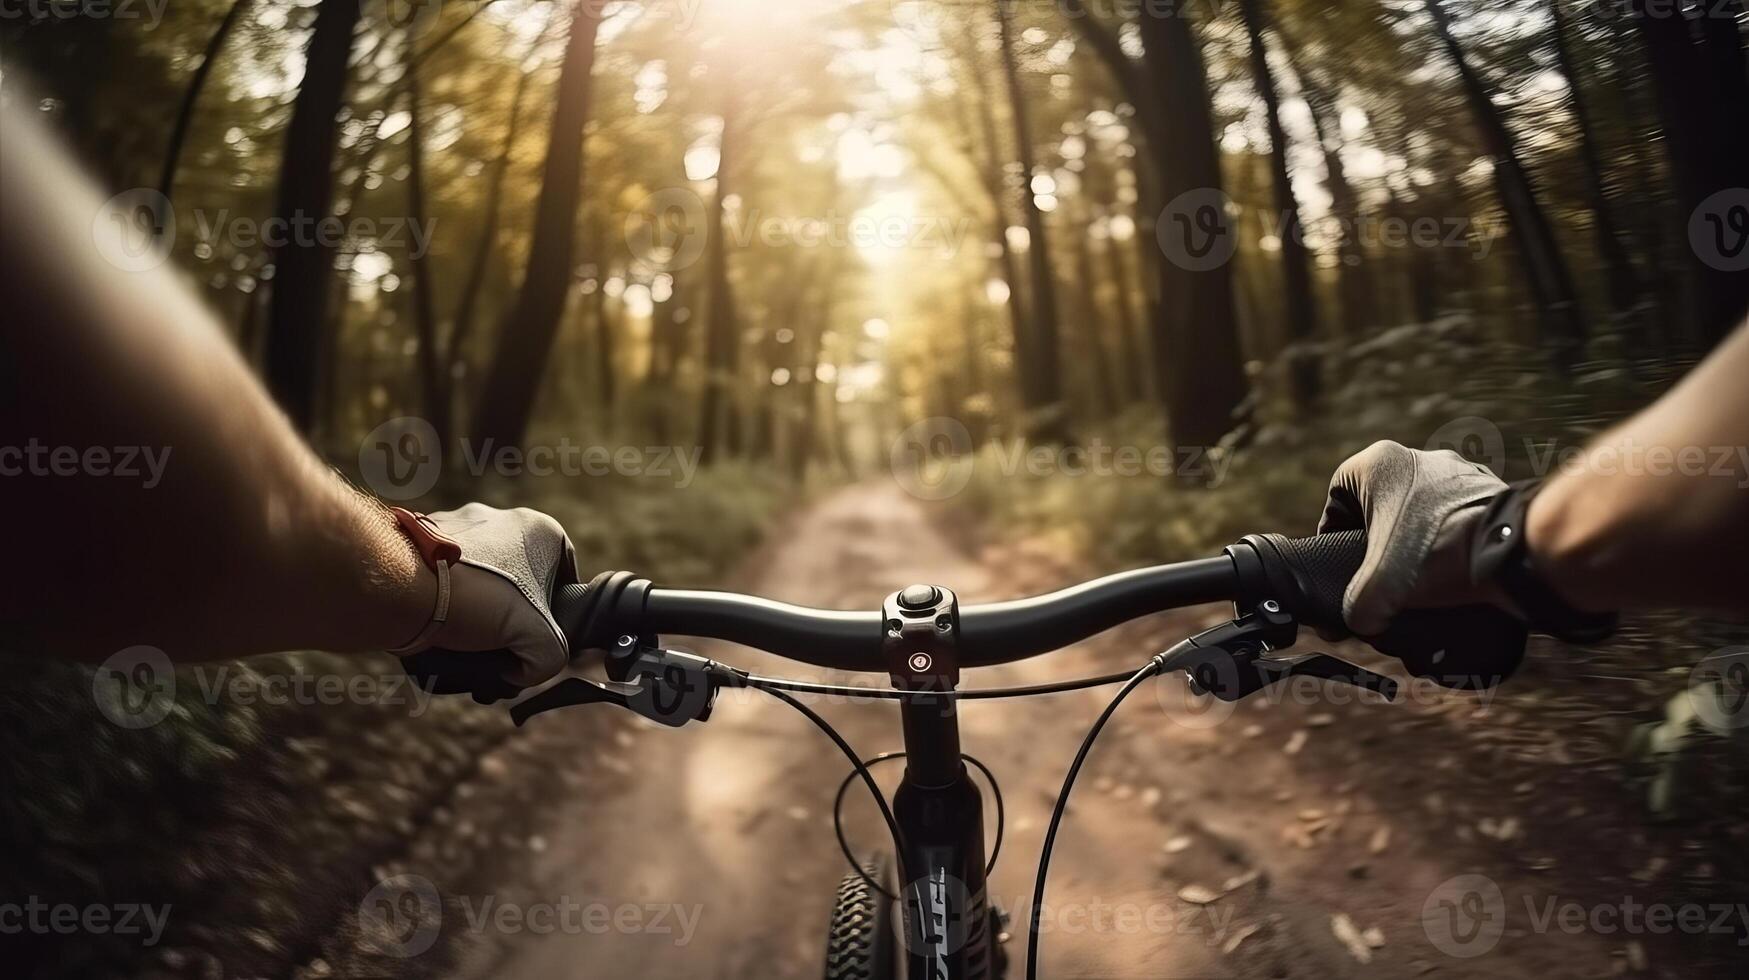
(1381, 839)
(1343, 927)
(1198, 895)
(1239, 937)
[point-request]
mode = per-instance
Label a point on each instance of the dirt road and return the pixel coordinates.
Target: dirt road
(1268, 844)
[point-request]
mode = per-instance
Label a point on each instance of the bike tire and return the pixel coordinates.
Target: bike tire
(859, 941)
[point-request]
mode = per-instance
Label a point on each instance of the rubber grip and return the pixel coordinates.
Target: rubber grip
(1465, 647)
(582, 612)
(1320, 567)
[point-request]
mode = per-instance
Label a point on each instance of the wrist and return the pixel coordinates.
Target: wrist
(1563, 549)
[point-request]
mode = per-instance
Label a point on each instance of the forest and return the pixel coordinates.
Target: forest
(1111, 282)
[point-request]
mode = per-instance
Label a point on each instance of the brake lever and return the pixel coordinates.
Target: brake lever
(668, 687)
(1261, 672)
(1228, 661)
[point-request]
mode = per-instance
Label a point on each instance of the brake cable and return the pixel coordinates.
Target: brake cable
(894, 694)
(867, 779)
(1155, 666)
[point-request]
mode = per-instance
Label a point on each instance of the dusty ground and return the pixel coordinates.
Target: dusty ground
(1306, 840)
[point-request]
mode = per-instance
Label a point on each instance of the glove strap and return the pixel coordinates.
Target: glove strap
(1500, 554)
(438, 552)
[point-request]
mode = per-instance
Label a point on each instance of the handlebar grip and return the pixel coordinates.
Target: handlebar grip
(582, 612)
(1321, 567)
(1464, 647)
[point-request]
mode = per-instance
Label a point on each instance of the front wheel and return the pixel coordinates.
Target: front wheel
(859, 942)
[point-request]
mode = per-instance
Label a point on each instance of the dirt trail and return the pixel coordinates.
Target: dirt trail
(723, 833)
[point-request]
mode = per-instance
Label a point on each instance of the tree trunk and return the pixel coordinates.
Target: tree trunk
(1703, 109)
(989, 166)
(526, 336)
(433, 366)
(719, 424)
(606, 357)
(1562, 325)
(1199, 365)
(1624, 278)
(1046, 414)
(303, 265)
(1301, 305)
(468, 299)
(185, 112)
(1353, 281)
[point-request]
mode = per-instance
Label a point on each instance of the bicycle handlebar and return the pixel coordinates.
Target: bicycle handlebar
(1307, 576)
(1303, 575)
(996, 633)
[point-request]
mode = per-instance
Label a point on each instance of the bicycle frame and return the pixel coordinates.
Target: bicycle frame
(940, 813)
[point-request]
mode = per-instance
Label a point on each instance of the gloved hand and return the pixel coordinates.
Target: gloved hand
(1419, 511)
(500, 602)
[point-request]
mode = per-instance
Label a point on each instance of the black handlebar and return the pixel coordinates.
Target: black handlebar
(997, 633)
(1307, 576)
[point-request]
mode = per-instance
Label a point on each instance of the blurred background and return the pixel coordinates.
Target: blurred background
(815, 298)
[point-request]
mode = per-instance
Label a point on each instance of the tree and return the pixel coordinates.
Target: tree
(719, 424)
(185, 114)
(1624, 278)
(526, 334)
(1041, 386)
(1199, 364)
(1703, 110)
(1551, 285)
(303, 265)
(1302, 312)
(433, 364)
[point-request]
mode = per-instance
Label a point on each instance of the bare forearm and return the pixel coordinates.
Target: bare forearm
(1657, 512)
(242, 541)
